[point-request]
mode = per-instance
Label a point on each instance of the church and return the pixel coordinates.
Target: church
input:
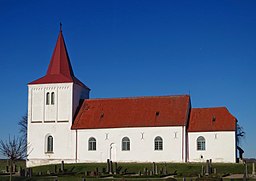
(64, 124)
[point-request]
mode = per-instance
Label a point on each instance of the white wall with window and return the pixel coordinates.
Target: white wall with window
(92, 144)
(200, 143)
(125, 144)
(49, 144)
(218, 146)
(132, 144)
(52, 118)
(158, 142)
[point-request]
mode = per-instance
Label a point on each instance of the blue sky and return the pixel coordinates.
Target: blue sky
(135, 48)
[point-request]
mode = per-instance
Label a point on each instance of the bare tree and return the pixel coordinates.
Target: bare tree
(240, 134)
(23, 123)
(23, 127)
(14, 149)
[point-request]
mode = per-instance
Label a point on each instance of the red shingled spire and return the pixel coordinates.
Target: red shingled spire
(59, 69)
(60, 63)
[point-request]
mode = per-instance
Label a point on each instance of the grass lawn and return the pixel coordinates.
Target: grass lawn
(78, 171)
(181, 169)
(3, 164)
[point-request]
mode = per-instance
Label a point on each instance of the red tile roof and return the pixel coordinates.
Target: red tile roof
(133, 112)
(59, 69)
(211, 119)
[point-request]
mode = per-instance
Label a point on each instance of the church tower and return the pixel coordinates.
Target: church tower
(52, 103)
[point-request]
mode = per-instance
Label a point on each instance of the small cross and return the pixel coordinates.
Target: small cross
(60, 26)
(106, 138)
(142, 135)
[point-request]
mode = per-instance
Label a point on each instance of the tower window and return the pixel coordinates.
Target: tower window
(52, 98)
(47, 98)
(49, 144)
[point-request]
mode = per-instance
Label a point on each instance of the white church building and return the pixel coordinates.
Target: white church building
(64, 124)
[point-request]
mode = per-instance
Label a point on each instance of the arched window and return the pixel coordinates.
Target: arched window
(92, 144)
(200, 143)
(47, 98)
(125, 144)
(52, 98)
(158, 143)
(49, 144)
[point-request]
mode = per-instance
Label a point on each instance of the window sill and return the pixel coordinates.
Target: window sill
(49, 152)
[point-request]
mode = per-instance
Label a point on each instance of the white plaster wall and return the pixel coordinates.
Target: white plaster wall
(64, 104)
(141, 149)
(79, 93)
(220, 146)
(60, 110)
(37, 101)
(63, 147)
(55, 120)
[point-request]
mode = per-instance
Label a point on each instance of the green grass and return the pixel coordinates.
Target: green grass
(79, 170)
(19, 163)
(182, 169)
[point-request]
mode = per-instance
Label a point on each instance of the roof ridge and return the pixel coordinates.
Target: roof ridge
(136, 97)
(217, 107)
(143, 111)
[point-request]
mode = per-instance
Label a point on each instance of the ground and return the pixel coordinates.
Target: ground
(177, 170)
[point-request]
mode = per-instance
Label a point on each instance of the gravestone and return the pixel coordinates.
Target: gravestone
(139, 173)
(161, 171)
(150, 172)
(253, 168)
(145, 171)
(207, 168)
(115, 169)
(48, 172)
(245, 172)
(215, 170)
(210, 166)
(30, 172)
(62, 166)
(97, 171)
(88, 173)
(108, 165)
(103, 170)
(111, 167)
(92, 174)
(202, 170)
(165, 169)
(154, 167)
(14, 169)
(21, 172)
(55, 169)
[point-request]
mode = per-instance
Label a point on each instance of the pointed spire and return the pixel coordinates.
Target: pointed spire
(59, 69)
(60, 63)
